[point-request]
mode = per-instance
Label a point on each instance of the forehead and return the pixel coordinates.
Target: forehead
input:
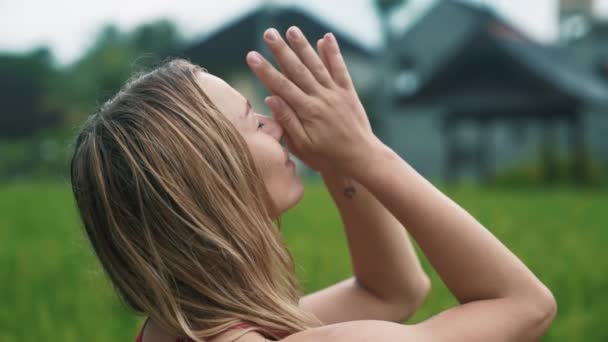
(227, 99)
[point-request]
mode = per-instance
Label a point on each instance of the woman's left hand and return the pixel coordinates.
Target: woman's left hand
(315, 101)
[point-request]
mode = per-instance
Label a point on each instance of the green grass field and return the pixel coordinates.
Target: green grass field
(52, 288)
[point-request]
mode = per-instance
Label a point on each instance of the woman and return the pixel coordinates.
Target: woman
(178, 183)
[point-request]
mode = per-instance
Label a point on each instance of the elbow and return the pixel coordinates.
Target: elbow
(547, 309)
(423, 290)
(542, 311)
(414, 298)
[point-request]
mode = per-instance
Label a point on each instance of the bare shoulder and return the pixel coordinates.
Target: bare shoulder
(360, 331)
(154, 333)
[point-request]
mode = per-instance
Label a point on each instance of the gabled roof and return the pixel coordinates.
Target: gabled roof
(437, 37)
(227, 46)
(468, 58)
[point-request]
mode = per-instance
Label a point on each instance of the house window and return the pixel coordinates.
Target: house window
(604, 68)
(406, 82)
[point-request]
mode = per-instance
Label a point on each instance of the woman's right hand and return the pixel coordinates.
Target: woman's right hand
(314, 100)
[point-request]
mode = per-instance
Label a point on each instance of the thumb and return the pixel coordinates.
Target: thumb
(287, 118)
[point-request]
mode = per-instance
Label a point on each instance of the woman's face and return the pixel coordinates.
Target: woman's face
(263, 135)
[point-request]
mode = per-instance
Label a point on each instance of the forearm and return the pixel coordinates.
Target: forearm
(471, 261)
(383, 258)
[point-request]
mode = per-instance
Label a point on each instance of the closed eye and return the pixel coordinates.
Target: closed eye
(260, 123)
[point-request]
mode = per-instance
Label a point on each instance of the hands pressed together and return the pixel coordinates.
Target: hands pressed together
(314, 100)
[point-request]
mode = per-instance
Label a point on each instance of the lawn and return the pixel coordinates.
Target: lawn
(52, 288)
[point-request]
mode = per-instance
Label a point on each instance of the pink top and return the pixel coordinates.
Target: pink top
(243, 325)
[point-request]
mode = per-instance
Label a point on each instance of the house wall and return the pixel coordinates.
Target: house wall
(415, 134)
(596, 124)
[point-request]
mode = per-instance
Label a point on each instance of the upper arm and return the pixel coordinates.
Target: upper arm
(502, 319)
(488, 320)
(348, 301)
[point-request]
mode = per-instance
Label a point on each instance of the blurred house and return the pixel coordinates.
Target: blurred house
(459, 93)
(222, 52)
(473, 96)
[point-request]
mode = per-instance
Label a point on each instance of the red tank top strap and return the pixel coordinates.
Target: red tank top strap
(140, 335)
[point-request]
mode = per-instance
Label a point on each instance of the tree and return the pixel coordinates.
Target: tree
(112, 58)
(24, 84)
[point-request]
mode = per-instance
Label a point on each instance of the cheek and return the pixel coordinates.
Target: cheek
(282, 182)
(267, 152)
(267, 160)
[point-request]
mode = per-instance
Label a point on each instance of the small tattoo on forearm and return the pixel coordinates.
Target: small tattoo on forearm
(349, 190)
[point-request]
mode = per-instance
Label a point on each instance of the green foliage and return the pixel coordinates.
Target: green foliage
(533, 174)
(25, 83)
(42, 105)
(112, 58)
(37, 94)
(54, 290)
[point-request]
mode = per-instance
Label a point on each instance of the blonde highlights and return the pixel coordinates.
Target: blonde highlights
(177, 213)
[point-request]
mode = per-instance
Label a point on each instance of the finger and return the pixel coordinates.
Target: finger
(290, 146)
(286, 117)
(308, 56)
(289, 62)
(321, 48)
(338, 68)
(274, 81)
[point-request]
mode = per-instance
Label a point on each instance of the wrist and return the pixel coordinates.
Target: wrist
(367, 155)
(372, 163)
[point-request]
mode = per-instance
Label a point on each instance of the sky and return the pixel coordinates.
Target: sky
(69, 26)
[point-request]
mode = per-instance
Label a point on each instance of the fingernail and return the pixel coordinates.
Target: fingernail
(272, 102)
(254, 58)
(294, 32)
(271, 35)
(269, 101)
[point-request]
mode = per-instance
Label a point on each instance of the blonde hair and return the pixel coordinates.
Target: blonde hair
(177, 213)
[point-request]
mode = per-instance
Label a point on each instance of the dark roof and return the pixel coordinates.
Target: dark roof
(468, 58)
(600, 27)
(226, 47)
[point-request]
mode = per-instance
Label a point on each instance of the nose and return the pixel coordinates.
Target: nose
(275, 129)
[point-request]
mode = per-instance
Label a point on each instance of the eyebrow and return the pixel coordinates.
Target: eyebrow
(247, 108)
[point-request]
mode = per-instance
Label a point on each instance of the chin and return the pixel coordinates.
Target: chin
(298, 192)
(292, 197)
